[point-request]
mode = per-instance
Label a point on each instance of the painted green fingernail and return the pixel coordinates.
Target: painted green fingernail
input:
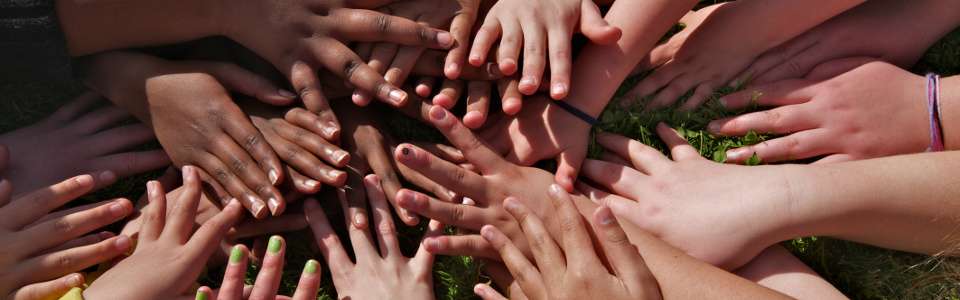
(236, 255)
(311, 267)
(201, 295)
(274, 245)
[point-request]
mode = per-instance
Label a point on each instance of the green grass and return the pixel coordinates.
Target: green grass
(860, 271)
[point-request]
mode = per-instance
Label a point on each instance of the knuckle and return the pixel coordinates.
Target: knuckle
(457, 214)
(221, 174)
(63, 261)
(350, 68)
(251, 142)
(237, 165)
(290, 153)
(63, 226)
(381, 23)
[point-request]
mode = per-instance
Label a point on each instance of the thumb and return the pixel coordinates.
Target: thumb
(568, 166)
(594, 27)
(485, 292)
(240, 80)
(49, 289)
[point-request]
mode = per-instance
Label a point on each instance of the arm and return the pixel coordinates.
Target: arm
(950, 112)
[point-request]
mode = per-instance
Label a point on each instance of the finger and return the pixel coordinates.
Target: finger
(386, 230)
(508, 53)
(442, 172)
(211, 188)
(423, 260)
(461, 245)
(680, 149)
(380, 59)
(560, 62)
(59, 230)
(576, 241)
(545, 250)
(315, 144)
(431, 64)
(234, 186)
(483, 41)
(125, 165)
(534, 57)
(461, 27)
(427, 184)
(835, 158)
(486, 292)
(776, 94)
(257, 149)
(342, 62)
(780, 120)
(836, 67)
(442, 151)
(522, 270)
(621, 206)
(309, 284)
(800, 145)
(280, 224)
(478, 102)
(206, 239)
(235, 273)
(155, 214)
(180, 219)
(701, 94)
(236, 78)
(672, 92)
(760, 71)
(642, 157)
(328, 241)
(27, 208)
(76, 107)
(119, 138)
(53, 265)
(383, 166)
(424, 86)
(511, 98)
(459, 215)
(622, 255)
(613, 158)
(615, 178)
(89, 239)
(371, 26)
(271, 270)
(353, 201)
(49, 289)
(99, 119)
(655, 81)
(301, 183)
(474, 150)
(568, 166)
(321, 118)
(403, 64)
(594, 27)
(449, 93)
(245, 172)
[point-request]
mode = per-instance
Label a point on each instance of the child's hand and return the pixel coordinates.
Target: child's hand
(198, 123)
(167, 246)
(74, 141)
(543, 130)
(268, 278)
(309, 158)
(299, 38)
(722, 214)
(846, 117)
(567, 265)
(885, 30)
(378, 258)
(544, 27)
(43, 250)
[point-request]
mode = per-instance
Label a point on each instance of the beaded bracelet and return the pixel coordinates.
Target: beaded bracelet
(933, 109)
(577, 113)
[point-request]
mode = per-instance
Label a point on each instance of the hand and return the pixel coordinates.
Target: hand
(722, 214)
(700, 57)
(268, 278)
(572, 269)
(309, 158)
(884, 30)
(43, 251)
(542, 26)
(843, 118)
(382, 275)
(74, 141)
(395, 62)
(167, 246)
(542, 130)
(298, 37)
(198, 123)
(497, 180)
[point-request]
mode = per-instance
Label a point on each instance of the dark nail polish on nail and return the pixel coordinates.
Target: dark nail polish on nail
(406, 151)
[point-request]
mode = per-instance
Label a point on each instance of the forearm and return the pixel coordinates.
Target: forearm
(782, 20)
(907, 203)
(950, 111)
(600, 69)
(679, 275)
(92, 26)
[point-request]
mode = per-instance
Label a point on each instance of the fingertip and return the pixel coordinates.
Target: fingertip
(512, 106)
(452, 71)
(443, 100)
(422, 90)
(474, 119)
(488, 232)
(106, 178)
(508, 66)
(604, 216)
(122, 243)
(438, 115)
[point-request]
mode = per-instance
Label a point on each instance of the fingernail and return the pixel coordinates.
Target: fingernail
(107, 176)
(713, 127)
(257, 207)
(274, 245)
(559, 89)
(397, 96)
(336, 173)
(122, 242)
(330, 130)
(723, 101)
(273, 177)
(406, 200)
(236, 254)
(736, 154)
(356, 97)
(433, 244)
(75, 280)
(274, 205)
(189, 173)
(445, 39)
(359, 220)
(311, 267)
(340, 156)
(438, 114)
(452, 194)
(511, 204)
(406, 151)
(310, 183)
(487, 232)
(528, 80)
(201, 295)
(556, 190)
(606, 218)
(286, 94)
(117, 209)
(452, 67)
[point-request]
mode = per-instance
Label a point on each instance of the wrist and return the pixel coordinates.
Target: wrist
(949, 111)
(793, 211)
